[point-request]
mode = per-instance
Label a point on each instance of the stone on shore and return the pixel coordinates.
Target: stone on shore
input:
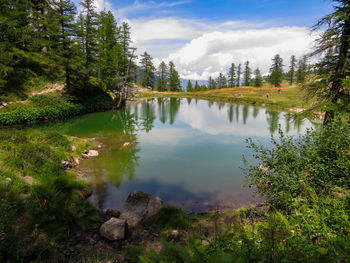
(139, 208)
(113, 229)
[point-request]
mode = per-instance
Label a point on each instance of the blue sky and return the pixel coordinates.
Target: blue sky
(283, 12)
(204, 37)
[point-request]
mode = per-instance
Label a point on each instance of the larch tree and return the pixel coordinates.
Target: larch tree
(163, 77)
(88, 36)
(302, 71)
(189, 87)
(174, 78)
(232, 76)
(211, 83)
(221, 81)
(276, 71)
(197, 87)
(331, 87)
(147, 70)
(292, 67)
(239, 73)
(247, 75)
(106, 50)
(258, 80)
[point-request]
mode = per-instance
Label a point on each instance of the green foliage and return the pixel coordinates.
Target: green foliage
(232, 76)
(276, 71)
(221, 81)
(54, 107)
(27, 115)
(163, 77)
(147, 68)
(174, 78)
(49, 209)
(258, 81)
(319, 159)
(247, 74)
(172, 217)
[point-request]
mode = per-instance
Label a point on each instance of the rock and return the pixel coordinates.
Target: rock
(74, 148)
(112, 213)
(99, 146)
(126, 144)
(173, 235)
(77, 160)
(92, 153)
(113, 229)
(67, 164)
(139, 208)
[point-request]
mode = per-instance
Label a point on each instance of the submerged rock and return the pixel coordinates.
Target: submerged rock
(113, 229)
(139, 208)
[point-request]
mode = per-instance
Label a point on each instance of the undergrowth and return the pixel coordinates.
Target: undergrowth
(34, 217)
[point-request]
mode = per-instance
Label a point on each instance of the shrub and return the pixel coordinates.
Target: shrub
(319, 159)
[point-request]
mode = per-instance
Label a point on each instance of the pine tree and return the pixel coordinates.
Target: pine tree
(247, 74)
(174, 78)
(211, 83)
(124, 52)
(147, 68)
(239, 73)
(163, 77)
(258, 78)
(189, 87)
(232, 76)
(276, 71)
(292, 67)
(88, 35)
(16, 42)
(196, 86)
(107, 41)
(221, 81)
(302, 71)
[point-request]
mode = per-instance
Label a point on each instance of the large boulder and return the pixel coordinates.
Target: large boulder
(139, 208)
(113, 229)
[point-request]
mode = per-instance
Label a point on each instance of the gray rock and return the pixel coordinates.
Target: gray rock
(112, 213)
(74, 148)
(113, 229)
(67, 164)
(92, 153)
(139, 208)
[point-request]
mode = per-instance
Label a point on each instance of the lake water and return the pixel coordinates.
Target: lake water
(188, 152)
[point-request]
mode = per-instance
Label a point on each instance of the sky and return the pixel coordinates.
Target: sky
(204, 37)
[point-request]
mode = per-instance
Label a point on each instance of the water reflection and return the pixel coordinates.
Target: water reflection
(184, 150)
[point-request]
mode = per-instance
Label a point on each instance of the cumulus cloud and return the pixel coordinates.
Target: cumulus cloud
(212, 53)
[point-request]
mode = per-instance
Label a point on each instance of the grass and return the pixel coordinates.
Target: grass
(290, 97)
(36, 216)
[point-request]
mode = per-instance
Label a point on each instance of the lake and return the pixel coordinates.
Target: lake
(187, 151)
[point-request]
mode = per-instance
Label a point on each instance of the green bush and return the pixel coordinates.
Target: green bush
(27, 115)
(319, 159)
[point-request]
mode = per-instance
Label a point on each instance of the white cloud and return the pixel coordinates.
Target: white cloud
(213, 52)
